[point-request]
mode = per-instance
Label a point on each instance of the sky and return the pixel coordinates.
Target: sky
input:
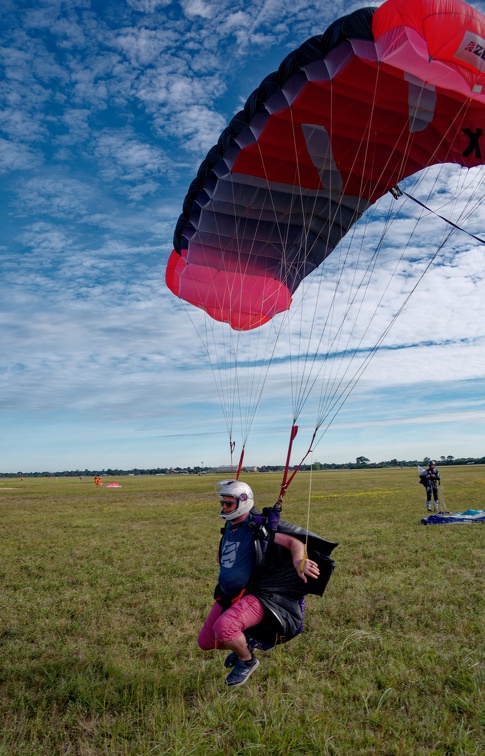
(107, 110)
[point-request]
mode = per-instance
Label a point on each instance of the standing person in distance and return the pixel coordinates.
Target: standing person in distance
(430, 479)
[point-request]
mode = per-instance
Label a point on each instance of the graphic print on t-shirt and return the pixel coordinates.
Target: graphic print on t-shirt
(229, 554)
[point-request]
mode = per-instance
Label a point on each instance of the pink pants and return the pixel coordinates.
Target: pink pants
(220, 627)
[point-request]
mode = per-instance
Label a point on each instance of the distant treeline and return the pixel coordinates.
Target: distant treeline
(361, 463)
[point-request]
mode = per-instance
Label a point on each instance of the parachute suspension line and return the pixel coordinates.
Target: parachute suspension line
(305, 552)
(301, 367)
(409, 131)
(223, 351)
(305, 363)
(227, 409)
(335, 385)
(226, 394)
(369, 272)
(323, 414)
(309, 496)
(442, 217)
(296, 365)
(326, 401)
(455, 122)
(239, 366)
(254, 367)
(307, 387)
(283, 234)
(268, 352)
(364, 282)
(368, 283)
(340, 401)
(337, 403)
(287, 317)
(215, 372)
(477, 200)
(223, 354)
(308, 383)
(234, 396)
(226, 398)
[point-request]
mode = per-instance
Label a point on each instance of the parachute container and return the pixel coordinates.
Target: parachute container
(382, 94)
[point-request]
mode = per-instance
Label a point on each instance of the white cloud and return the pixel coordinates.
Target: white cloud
(197, 8)
(56, 196)
(18, 157)
(148, 6)
(143, 47)
(122, 157)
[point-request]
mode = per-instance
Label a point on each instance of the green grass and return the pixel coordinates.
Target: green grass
(104, 591)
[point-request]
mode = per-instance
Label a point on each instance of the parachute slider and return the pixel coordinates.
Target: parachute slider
(396, 192)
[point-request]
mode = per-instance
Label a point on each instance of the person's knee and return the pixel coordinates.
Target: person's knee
(226, 629)
(206, 641)
(220, 630)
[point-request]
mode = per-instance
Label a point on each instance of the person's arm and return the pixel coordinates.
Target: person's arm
(297, 549)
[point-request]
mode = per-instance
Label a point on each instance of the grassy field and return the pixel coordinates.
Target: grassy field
(104, 591)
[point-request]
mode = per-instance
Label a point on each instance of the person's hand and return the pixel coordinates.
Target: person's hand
(310, 569)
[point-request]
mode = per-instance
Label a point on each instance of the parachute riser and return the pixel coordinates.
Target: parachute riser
(287, 480)
(284, 482)
(241, 460)
(232, 446)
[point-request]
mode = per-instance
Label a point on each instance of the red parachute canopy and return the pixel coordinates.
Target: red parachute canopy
(380, 95)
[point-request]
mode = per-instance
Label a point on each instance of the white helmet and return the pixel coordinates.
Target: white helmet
(241, 492)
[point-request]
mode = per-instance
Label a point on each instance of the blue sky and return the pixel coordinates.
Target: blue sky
(107, 110)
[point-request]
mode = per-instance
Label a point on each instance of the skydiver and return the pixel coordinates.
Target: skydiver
(430, 478)
(242, 597)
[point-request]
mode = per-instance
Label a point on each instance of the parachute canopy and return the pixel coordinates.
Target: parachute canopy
(382, 94)
(445, 518)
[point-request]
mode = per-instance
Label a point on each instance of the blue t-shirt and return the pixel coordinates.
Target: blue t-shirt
(237, 558)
